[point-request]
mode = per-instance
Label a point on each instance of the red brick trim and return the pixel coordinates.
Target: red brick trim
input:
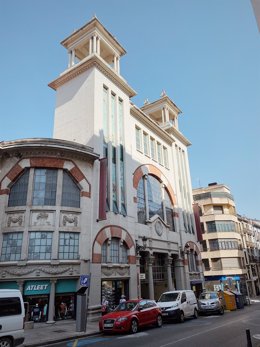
(86, 194)
(14, 172)
(116, 232)
(77, 174)
(4, 191)
(96, 258)
(47, 162)
(153, 170)
(131, 259)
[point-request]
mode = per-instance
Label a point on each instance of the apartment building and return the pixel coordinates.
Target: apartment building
(109, 196)
(222, 246)
(250, 234)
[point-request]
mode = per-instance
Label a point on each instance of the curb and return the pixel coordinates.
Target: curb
(49, 342)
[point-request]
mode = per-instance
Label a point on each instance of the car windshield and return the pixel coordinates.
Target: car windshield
(208, 296)
(126, 306)
(168, 297)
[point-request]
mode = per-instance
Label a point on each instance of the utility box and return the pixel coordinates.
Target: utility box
(81, 314)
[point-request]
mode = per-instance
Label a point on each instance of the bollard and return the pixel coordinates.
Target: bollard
(248, 338)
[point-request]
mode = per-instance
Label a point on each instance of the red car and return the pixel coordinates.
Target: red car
(131, 315)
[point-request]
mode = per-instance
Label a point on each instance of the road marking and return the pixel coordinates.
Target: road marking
(87, 341)
(191, 336)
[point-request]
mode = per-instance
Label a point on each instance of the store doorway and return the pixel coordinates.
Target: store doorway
(111, 290)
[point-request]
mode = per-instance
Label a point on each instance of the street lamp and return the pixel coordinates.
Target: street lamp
(140, 248)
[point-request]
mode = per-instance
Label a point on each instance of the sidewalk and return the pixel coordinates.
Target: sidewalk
(44, 334)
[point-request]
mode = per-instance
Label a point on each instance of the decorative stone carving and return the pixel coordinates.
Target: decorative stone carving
(42, 218)
(15, 220)
(115, 271)
(70, 219)
(158, 227)
(39, 271)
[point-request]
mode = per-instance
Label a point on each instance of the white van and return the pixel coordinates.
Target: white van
(11, 318)
(178, 305)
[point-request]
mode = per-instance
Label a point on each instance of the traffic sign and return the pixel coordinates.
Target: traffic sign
(85, 280)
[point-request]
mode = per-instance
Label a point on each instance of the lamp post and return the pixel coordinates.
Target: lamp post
(139, 248)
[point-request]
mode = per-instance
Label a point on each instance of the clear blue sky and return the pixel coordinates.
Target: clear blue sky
(204, 53)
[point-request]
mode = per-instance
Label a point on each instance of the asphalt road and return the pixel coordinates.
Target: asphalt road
(228, 330)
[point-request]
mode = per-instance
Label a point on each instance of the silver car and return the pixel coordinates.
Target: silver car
(210, 302)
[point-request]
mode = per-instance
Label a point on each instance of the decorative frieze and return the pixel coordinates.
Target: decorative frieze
(15, 220)
(39, 271)
(42, 218)
(69, 220)
(115, 271)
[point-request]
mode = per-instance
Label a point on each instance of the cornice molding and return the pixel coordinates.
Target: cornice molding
(142, 117)
(92, 61)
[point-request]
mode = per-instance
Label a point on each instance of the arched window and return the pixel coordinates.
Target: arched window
(44, 189)
(153, 199)
(18, 192)
(114, 251)
(70, 192)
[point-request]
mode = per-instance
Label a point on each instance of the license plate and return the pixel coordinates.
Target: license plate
(165, 314)
(108, 325)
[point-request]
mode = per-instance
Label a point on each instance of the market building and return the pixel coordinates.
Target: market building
(109, 196)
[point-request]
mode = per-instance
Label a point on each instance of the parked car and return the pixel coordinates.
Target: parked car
(131, 315)
(11, 318)
(178, 305)
(210, 302)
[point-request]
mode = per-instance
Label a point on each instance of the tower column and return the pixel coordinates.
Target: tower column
(94, 44)
(91, 45)
(98, 45)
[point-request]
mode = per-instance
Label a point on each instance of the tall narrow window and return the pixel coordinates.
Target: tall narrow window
(12, 246)
(105, 113)
(18, 192)
(121, 121)
(114, 250)
(154, 196)
(45, 184)
(104, 252)
(114, 180)
(141, 210)
(169, 211)
(146, 144)
(122, 181)
(165, 157)
(159, 152)
(113, 118)
(138, 140)
(70, 192)
(153, 149)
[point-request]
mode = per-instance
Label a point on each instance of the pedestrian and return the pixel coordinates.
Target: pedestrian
(104, 306)
(36, 313)
(63, 310)
(123, 299)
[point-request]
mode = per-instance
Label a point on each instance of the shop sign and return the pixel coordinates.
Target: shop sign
(142, 276)
(34, 288)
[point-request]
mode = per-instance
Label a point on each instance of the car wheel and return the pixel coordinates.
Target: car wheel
(134, 326)
(5, 342)
(181, 317)
(159, 321)
(195, 313)
(221, 311)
